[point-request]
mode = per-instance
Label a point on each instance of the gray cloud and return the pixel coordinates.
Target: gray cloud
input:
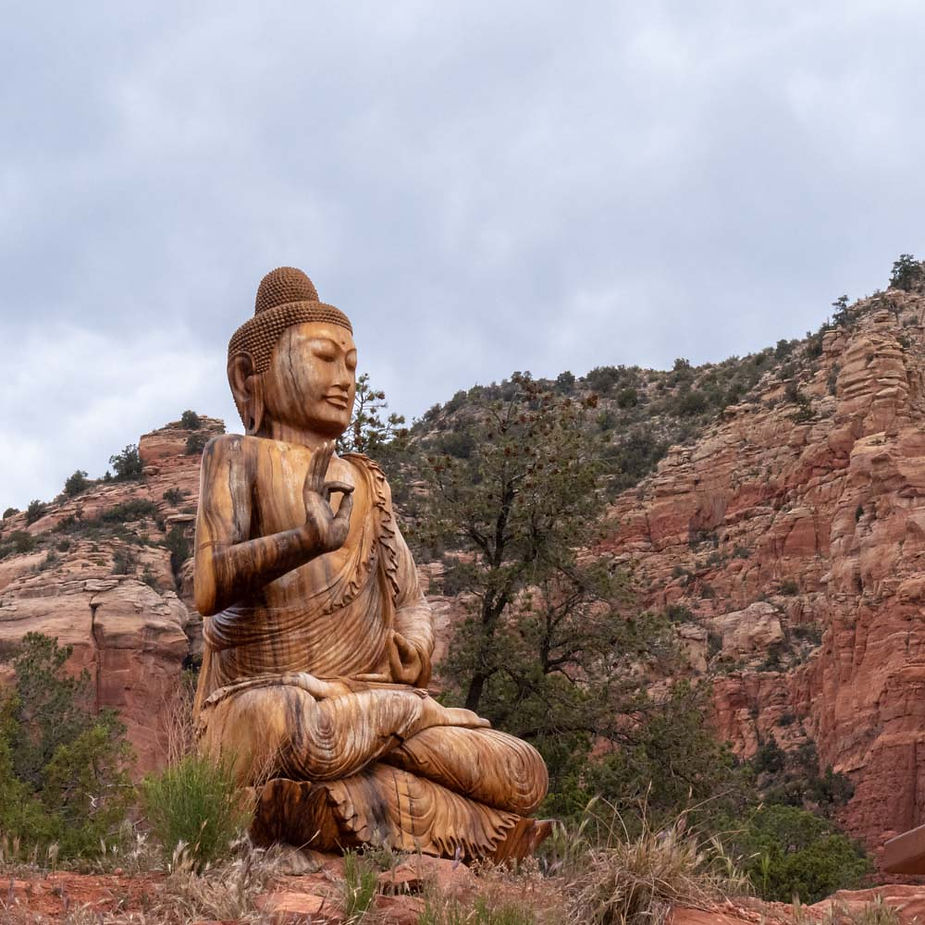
(483, 187)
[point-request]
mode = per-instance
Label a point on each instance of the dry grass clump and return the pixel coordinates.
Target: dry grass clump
(224, 891)
(636, 880)
(484, 910)
(876, 912)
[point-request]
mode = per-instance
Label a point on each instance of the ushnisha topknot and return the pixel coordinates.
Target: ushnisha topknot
(286, 296)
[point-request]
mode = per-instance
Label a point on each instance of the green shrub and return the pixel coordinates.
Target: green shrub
(134, 509)
(678, 613)
(76, 483)
(35, 510)
(786, 851)
(189, 420)
(62, 766)
(691, 403)
(602, 379)
(18, 542)
(196, 802)
(124, 562)
(627, 398)
(196, 443)
(174, 496)
(565, 382)
(127, 464)
(179, 547)
(10, 511)
(907, 273)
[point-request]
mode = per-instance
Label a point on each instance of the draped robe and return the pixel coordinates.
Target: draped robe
(297, 683)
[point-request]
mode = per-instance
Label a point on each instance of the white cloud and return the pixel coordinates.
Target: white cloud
(74, 398)
(483, 187)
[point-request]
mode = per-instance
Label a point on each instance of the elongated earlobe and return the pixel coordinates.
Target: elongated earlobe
(247, 389)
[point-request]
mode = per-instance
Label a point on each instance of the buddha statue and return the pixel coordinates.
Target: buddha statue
(317, 637)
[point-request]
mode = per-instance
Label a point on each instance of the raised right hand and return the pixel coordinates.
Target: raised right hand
(326, 530)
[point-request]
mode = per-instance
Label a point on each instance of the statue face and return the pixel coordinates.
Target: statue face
(311, 381)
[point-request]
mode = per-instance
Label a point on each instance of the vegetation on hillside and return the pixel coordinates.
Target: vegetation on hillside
(504, 485)
(63, 779)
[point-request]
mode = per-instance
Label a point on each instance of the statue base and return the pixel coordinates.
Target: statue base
(387, 806)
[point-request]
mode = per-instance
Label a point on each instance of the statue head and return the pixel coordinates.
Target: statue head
(294, 362)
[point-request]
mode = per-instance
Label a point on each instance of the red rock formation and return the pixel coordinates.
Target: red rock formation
(799, 540)
(131, 631)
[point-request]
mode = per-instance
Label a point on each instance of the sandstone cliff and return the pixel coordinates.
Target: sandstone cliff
(790, 539)
(787, 538)
(105, 575)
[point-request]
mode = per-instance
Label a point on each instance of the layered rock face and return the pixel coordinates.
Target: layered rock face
(793, 532)
(100, 578)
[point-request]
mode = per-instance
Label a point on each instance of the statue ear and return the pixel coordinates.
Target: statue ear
(247, 389)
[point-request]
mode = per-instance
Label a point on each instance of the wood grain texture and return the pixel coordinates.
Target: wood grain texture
(318, 640)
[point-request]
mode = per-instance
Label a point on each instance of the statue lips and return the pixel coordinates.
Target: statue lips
(339, 401)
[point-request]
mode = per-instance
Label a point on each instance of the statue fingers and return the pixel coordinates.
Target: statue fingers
(342, 517)
(321, 459)
(395, 664)
(344, 488)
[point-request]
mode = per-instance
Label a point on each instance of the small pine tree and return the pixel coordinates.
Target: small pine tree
(62, 765)
(908, 273)
(369, 430)
(35, 510)
(127, 464)
(76, 483)
(189, 420)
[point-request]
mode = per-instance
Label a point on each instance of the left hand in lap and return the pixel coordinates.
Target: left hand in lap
(404, 660)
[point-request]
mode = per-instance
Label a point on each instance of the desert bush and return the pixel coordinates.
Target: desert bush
(908, 273)
(17, 543)
(133, 509)
(565, 382)
(872, 913)
(195, 805)
(225, 892)
(602, 379)
(34, 511)
(174, 496)
(62, 766)
(124, 562)
(179, 547)
(627, 398)
(196, 443)
(127, 464)
(678, 613)
(690, 402)
(189, 420)
(76, 483)
(10, 511)
(787, 851)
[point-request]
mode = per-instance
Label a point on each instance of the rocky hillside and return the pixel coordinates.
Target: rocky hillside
(789, 543)
(106, 571)
(772, 505)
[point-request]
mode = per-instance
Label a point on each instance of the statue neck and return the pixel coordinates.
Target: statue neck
(289, 433)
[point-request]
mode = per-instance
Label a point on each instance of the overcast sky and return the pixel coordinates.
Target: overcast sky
(482, 187)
